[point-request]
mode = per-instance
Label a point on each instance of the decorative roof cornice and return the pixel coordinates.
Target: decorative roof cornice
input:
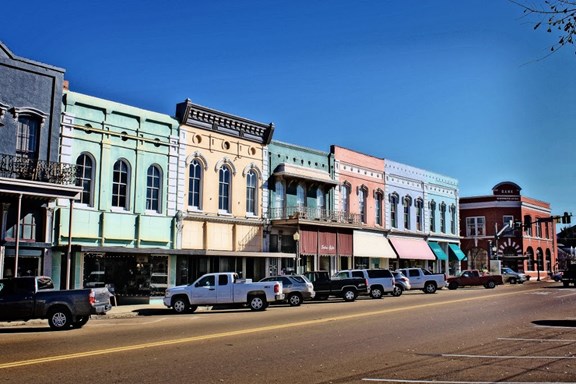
(210, 119)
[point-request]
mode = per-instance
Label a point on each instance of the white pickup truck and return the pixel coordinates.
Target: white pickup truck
(222, 288)
(423, 279)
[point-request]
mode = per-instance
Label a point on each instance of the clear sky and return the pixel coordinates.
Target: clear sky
(460, 88)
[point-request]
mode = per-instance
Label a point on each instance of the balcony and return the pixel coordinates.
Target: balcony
(315, 215)
(15, 167)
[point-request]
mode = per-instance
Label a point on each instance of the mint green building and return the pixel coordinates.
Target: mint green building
(123, 230)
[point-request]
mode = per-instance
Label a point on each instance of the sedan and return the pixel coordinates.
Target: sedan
(296, 288)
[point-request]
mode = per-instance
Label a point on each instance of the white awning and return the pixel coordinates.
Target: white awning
(368, 244)
(296, 171)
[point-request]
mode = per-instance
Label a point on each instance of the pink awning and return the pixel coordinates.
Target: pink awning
(414, 249)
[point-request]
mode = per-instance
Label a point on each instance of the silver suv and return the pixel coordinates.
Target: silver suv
(296, 288)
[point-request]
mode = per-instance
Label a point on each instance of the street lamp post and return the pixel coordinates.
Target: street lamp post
(296, 238)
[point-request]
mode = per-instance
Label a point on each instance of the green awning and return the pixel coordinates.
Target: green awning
(456, 252)
(438, 251)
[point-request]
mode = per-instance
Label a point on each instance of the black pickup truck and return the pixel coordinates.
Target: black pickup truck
(347, 289)
(26, 298)
(569, 275)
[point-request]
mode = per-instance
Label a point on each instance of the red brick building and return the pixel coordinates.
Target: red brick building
(488, 235)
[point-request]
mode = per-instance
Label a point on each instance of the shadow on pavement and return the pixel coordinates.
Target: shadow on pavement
(555, 323)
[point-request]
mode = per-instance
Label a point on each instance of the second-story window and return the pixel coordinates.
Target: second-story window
(344, 201)
(300, 197)
(432, 216)
(153, 188)
(362, 204)
(453, 219)
(251, 182)
(120, 186)
(407, 204)
(419, 204)
(27, 137)
(320, 203)
(224, 188)
(443, 218)
(378, 207)
(194, 185)
(84, 178)
(394, 210)
(475, 226)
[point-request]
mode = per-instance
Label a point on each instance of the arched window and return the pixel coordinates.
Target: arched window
(378, 204)
(394, 210)
(432, 216)
(443, 217)
(120, 185)
(27, 137)
(195, 185)
(224, 188)
(251, 182)
(362, 204)
(300, 196)
(320, 203)
(84, 178)
(453, 219)
(419, 204)
(279, 193)
(153, 188)
(344, 198)
(407, 204)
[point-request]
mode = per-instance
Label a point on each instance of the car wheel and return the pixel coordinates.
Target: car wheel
(80, 321)
(294, 299)
(489, 285)
(59, 319)
(430, 287)
(257, 303)
(376, 292)
(453, 285)
(349, 295)
(180, 304)
(397, 291)
(512, 280)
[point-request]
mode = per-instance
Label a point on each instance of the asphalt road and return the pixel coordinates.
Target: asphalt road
(513, 334)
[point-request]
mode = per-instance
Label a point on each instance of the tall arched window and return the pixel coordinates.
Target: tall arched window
(394, 198)
(153, 188)
(443, 217)
(344, 198)
(432, 216)
(320, 203)
(84, 178)
(251, 182)
(453, 219)
(362, 204)
(378, 205)
(419, 204)
(300, 197)
(120, 186)
(224, 188)
(195, 185)
(407, 204)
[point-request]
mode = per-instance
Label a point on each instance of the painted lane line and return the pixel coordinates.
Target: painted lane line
(466, 382)
(193, 339)
(509, 357)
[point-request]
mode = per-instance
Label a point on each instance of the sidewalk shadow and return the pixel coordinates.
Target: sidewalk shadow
(556, 323)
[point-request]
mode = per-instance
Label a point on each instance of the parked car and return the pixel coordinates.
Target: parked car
(223, 288)
(569, 275)
(474, 277)
(401, 283)
(296, 288)
(511, 276)
(346, 288)
(380, 281)
(424, 279)
(34, 297)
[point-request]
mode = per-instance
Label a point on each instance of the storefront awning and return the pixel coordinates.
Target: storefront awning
(298, 172)
(368, 244)
(456, 252)
(438, 251)
(414, 249)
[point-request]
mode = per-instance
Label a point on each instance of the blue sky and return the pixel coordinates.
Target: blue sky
(460, 88)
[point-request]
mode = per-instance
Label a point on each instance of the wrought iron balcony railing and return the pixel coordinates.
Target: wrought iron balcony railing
(16, 167)
(315, 214)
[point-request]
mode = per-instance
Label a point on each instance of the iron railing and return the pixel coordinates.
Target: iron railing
(16, 167)
(315, 214)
